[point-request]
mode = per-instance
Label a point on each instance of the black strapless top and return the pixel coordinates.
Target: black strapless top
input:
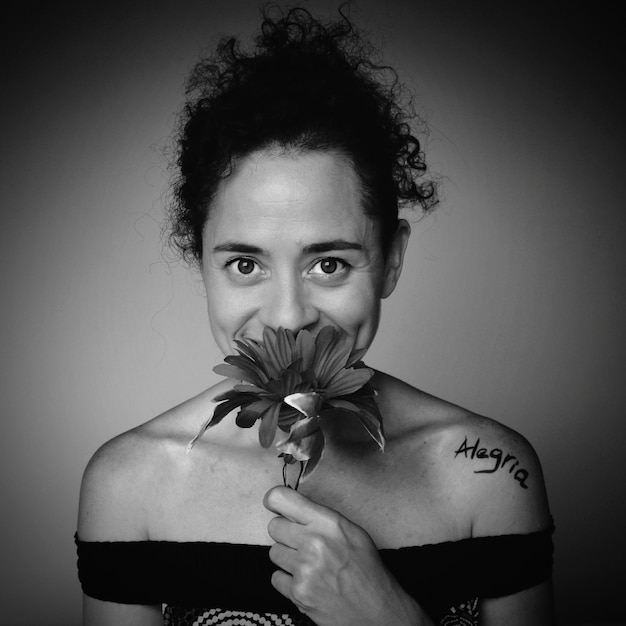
(221, 583)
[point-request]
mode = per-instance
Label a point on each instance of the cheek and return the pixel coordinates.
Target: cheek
(365, 297)
(229, 310)
(223, 310)
(355, 309)
(363, 306)
(219, 306)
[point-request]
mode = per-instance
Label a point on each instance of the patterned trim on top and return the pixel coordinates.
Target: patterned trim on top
(465, 614)
(179, 616)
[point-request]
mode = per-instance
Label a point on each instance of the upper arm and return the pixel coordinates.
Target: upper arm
(100, 613)
(112, 497)
(505, 494)
(501, 478)
(531, 607)
(112, 508)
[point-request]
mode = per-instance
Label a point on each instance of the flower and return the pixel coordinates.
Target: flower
(293, 383)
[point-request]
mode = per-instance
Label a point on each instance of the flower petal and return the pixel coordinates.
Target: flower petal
(355, 357)
(287, 417)
(345, 382)
(231, 371)
(285, 384)
(227, 395)
(309, 403)
(220, 412)
(251, 389)
(250, 350)
(333, 358)
(226, 407)
(374, 428)
(289, 379)
(315, 453)
(269, 422)
(273, 361)
(248, 416)
(369, 417)
(249, 370)
(300, 441)
(305, 348)
(325, 345)
(285, 347)
(256, 356)
(309, 378)
(246, 419)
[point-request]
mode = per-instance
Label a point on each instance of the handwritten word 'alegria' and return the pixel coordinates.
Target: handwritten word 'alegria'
(496, 457)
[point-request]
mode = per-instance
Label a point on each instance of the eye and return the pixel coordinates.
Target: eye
(245, 266)
(330, 266)
(242, 266)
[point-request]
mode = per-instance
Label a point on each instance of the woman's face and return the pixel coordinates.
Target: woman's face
(288, 244)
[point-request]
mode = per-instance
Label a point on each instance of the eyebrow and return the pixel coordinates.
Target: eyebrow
(314, 248)
(234, 246)
(329, 246)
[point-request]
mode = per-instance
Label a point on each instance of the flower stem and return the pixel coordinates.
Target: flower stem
(302, 466)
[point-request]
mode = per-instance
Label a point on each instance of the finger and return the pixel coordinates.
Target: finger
(281, 581)
(284, 531)
(283, 557)
(293, 505)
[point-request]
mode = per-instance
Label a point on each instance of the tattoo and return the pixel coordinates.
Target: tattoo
(499, 458)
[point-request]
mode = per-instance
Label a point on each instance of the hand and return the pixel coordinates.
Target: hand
(330, 568)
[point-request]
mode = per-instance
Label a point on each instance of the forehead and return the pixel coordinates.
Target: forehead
(304, 196)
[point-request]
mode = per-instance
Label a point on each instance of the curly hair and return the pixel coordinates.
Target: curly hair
(304, 86)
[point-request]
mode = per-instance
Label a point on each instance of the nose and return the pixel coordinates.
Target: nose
(289, 304)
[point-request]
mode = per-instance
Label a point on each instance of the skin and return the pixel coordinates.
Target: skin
(287, 244)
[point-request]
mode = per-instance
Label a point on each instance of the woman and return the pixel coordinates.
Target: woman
(293, 161)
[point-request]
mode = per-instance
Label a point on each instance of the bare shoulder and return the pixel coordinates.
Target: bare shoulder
(492, 472)
(122, 477)
(500, 473)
